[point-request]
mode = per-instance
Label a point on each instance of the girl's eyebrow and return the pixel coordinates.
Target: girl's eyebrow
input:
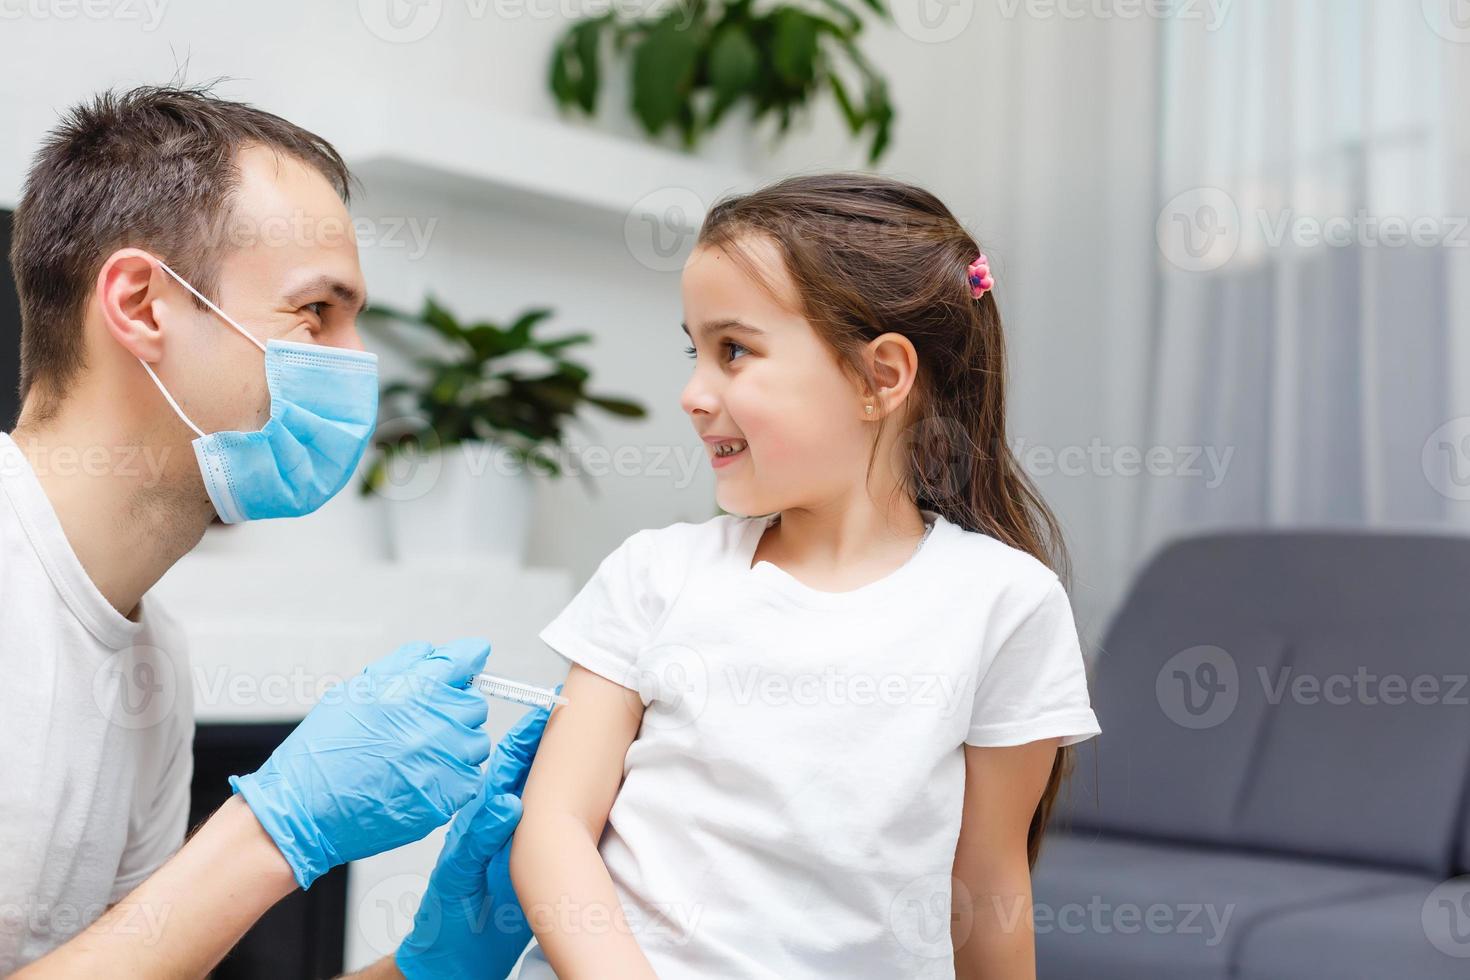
(730, 323)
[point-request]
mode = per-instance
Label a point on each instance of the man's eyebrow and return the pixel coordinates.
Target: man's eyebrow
(730, 323)
(347, 295)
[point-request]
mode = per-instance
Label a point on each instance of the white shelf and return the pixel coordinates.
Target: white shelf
(266, 636)
(519, 161)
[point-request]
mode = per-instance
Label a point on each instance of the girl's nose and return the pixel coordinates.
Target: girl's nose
(697, 396)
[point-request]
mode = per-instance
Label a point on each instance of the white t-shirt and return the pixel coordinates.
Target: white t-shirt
(791, 804)
(96, 734)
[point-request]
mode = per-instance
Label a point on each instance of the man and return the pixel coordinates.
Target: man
(189, 288)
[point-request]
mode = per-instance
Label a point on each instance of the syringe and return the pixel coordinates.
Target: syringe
(509, 690)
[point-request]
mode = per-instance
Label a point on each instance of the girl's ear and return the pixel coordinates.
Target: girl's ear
(129, 285)
(895, 364)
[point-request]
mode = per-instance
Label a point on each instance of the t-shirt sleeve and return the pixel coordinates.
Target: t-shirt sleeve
(160, 818)
(609, 621)
(1035, 686)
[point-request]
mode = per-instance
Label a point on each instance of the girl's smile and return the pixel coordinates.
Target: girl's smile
(725, 450)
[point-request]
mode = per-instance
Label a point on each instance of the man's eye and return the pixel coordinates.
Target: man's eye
(319, 309)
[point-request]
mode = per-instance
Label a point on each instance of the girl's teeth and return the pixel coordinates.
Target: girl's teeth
(729, 448)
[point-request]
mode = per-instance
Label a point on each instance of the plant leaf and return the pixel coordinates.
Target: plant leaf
(588, 40)
(852, 23)
(734, 63)
(552, 347)
(880, 111)
(663, 72)
(618, 406)
(839, 92)
(795, 49)
(441, 320)
(527, 320)
(575, 70)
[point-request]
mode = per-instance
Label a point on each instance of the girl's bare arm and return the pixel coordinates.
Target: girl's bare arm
(563, 886)
(992, 927)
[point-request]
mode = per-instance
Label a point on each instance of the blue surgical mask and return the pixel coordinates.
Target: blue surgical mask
(324, 408)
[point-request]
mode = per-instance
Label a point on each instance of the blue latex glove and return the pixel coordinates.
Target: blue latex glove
(469, 923)
(387, 756)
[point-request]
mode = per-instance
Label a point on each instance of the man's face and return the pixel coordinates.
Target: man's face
(294, 275)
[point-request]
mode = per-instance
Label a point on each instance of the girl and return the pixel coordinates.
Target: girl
(821, 742)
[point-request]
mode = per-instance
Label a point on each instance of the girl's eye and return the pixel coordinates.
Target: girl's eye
(728, 343)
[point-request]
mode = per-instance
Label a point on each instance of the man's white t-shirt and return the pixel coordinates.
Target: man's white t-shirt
(96, 734)
(791, 804)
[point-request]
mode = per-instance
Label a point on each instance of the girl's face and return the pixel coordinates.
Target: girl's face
(767, 386)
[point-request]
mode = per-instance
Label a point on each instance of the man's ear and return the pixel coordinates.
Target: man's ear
(131, 292)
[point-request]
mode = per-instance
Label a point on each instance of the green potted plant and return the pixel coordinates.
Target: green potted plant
(694, 62)
(454, 454)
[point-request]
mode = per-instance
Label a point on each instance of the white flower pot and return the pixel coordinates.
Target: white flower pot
(470, 500)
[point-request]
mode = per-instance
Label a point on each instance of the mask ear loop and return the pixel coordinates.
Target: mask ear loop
(223, 316)
(205, 300)
(170, 398)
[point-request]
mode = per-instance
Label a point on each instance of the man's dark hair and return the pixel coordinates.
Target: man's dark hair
(153, 167)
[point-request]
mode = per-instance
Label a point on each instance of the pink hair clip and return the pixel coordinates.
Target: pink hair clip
(978, 273)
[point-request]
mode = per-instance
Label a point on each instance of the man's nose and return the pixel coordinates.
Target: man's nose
(347, 338)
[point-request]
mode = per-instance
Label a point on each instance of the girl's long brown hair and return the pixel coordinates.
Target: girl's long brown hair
(870, 255)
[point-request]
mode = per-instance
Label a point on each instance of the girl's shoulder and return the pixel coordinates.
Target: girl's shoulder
(672, 549)
(987, 564)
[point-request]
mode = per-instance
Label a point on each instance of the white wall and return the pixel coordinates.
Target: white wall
(322, 66)
(1036, 130)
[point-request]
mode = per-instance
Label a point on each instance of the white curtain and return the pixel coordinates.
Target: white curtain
(1311, 331)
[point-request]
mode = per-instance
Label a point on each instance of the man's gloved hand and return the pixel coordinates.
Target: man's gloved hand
(387, 756)
(469, 923)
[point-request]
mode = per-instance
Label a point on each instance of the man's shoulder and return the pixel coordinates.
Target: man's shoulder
(162, 642)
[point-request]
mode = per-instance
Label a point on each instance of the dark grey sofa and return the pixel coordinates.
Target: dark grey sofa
(1303, 818)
